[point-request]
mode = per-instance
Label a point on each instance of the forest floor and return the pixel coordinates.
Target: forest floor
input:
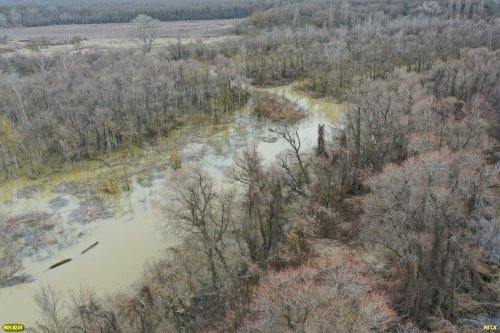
(15, 41)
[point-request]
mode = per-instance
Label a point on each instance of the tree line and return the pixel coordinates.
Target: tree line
(317, 12)
(118, 11)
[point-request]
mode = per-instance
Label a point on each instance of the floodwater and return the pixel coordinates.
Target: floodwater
(319, 111)
(133, 230)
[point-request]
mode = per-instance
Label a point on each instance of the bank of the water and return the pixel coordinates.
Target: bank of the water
(133, 233)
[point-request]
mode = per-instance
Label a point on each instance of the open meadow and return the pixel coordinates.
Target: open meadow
(58, 38)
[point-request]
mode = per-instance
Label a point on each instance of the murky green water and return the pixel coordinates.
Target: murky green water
(135, 231)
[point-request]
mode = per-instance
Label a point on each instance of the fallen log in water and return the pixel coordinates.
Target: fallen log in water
(60, 263)
(91, 246)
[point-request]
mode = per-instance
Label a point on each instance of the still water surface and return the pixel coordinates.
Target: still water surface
(134, 233)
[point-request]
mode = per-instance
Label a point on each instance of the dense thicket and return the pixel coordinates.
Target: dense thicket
(408, 178)
(82, 107)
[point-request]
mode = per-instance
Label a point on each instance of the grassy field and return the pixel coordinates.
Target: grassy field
(14, 41)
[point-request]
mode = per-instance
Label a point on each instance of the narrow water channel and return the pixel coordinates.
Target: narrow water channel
(131, 232)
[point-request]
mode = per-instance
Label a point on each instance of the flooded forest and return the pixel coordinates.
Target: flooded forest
(250, 166)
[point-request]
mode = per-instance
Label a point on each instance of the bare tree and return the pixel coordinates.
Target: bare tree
(146, 31)
(263, 203)
(11, 265)
(10, 262)
(12, 80)
(327, 297)
(293, 163)
(205, 216)
(89, 315)
(52, 308)
(430, 8)
(77, 42)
